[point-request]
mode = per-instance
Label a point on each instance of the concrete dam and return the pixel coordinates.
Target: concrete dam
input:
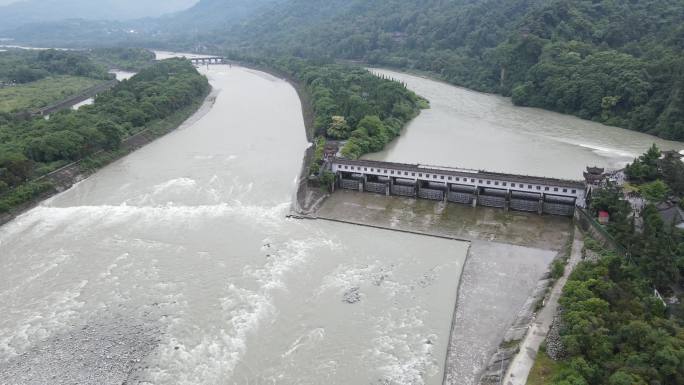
(470, 187)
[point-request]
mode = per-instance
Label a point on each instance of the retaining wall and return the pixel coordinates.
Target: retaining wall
(589, 225)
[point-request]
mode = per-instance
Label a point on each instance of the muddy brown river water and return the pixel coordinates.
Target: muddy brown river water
(180, 262)
(470, 129)
(177, 265)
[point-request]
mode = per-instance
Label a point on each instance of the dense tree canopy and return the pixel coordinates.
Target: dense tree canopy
(615, 330)
(22, 66)
(352, 104)
(127, 59)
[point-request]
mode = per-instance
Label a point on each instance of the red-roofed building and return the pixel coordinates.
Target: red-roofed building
(603, 217)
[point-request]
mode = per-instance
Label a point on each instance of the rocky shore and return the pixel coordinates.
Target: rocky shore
(108, 350)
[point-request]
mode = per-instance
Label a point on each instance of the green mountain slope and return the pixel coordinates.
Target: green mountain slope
(614, 62)
(617, 62)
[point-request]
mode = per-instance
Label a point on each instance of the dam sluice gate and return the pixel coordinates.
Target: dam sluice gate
(477, 188)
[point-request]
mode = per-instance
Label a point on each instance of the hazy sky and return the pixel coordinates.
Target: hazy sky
(188, 2)
(17, 12)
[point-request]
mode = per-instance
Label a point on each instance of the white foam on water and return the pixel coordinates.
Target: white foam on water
(609, 152)
(110, 269)
(214, 359)
(350, 276)
(309, 339)
(401, 353)
(175, 184)
(37, 271)
(43, 219)
(204, 157)
(40, 319)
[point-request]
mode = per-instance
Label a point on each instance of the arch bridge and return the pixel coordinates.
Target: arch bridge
(471, 187)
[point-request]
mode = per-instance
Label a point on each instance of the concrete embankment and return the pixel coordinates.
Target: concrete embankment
(65, 177)
(519, 369)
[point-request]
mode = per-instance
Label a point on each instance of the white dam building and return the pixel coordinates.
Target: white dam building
(507, 191)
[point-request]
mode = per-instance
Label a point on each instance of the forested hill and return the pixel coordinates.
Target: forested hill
(207, 15)
(618, 62)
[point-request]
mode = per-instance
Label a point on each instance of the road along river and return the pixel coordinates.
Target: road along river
(176, 265)
(120, 75)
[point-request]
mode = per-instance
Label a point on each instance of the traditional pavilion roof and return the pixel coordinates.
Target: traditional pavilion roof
(596, 170)
(593, 178)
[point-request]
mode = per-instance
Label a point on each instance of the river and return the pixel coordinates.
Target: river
(469, 129)
(177, 265)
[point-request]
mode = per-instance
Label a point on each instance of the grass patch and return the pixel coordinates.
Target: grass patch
(544, 369)
(43, 92)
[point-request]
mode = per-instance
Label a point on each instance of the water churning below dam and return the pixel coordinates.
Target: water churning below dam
(177, 264)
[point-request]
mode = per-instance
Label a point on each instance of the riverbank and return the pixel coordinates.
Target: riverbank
(65, 177)
(519, 368)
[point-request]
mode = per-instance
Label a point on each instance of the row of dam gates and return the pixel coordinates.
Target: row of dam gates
(470, 187)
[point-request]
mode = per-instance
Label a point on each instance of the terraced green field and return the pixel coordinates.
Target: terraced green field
(42, 92)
